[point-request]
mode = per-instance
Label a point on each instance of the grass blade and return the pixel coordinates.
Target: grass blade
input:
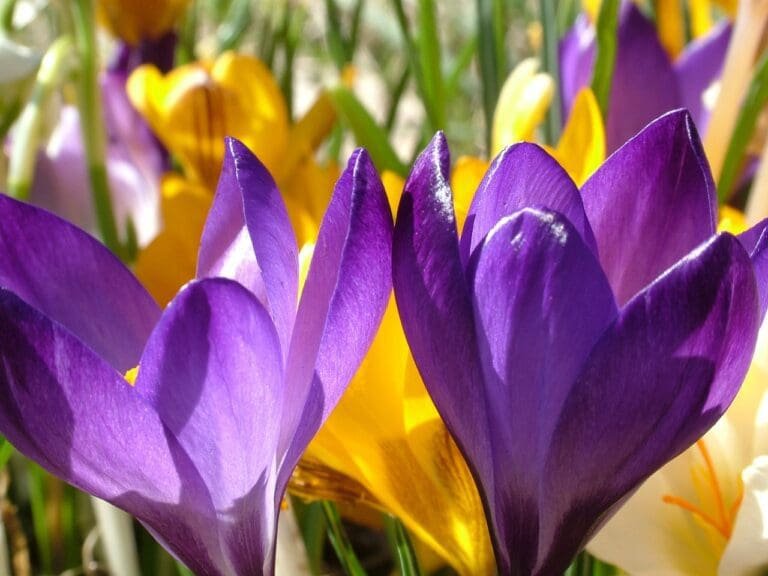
(602, 77)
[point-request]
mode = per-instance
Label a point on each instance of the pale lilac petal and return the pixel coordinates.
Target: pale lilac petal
(70, 411)
(344, 298)
(541, 302)
(698, 68)
(660, 377)
(70, 277)
(576, 59)
(523, 175)
(248, 237)
(434, 304)
(651, 203)
(213, 372)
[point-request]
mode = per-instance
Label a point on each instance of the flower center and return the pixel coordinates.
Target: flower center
(713, 510)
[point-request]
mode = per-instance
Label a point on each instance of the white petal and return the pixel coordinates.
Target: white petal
(648, 537)
(747, 551)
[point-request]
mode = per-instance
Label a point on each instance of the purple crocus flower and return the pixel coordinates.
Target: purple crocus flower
(646, 83)
(135, 164)
(575, 341)
(232, 384)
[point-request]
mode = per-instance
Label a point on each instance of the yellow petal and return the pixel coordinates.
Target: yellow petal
(523, 102)
(307, 192)
(170, 260)
(465, 178)
(582, 145)
(731, 220)
(393, 186)
(592, 8)
(137, 20)
(195, 106)
(670, 20)
(387, 435)
(701, 17)
(307, 134)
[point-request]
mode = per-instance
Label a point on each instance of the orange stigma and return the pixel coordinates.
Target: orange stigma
(722, 518)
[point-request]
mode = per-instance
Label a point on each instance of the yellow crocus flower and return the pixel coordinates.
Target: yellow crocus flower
(386, 447)
(192, 109)
(581, 148)
(136, 20)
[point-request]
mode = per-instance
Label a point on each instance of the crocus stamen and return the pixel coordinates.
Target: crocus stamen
(723, 522)
(131, 375)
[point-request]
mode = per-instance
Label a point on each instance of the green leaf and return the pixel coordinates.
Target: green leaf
(6, 451)
(340, 542)
(550, 61)
(337, 45)
(602, 77)
(402, 546)
(754, 102)
(431, 65)
(491, 24)
(238, 20)
(366, 131)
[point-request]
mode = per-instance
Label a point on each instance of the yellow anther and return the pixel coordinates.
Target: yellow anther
(131, 375)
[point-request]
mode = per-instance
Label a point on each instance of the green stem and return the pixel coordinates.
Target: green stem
(402, 545)
(7, 8)
(549, 24)
(91, 119)
(54, 67)
(602, 77)
(491, 55)
(340, 541)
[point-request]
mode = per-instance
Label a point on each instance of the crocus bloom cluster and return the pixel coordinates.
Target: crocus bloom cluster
(233, 379)
(573, 340)
(646, 83)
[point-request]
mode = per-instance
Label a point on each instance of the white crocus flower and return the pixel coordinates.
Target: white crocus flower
(706, 512)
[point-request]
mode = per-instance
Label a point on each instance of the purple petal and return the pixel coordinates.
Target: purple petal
(755, 242)
(576, 60)
(213, 371)
(344, 298)
(644, 85)
(134, 166)
(660, 378)
(248, 237)
(698, 67)
(541, 302)
(69, 276)
(434, 304)
(651, 203)
(70, 411)
(522, 175)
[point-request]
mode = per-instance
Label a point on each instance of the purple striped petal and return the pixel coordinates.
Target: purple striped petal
(522, 175)
(248, 237)
(541, 302)
(660, 377)
(651, 203)
(344, 298)
(70, 411)
(70, 277)
(213, 372)
(698, 67)
(434, 304)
